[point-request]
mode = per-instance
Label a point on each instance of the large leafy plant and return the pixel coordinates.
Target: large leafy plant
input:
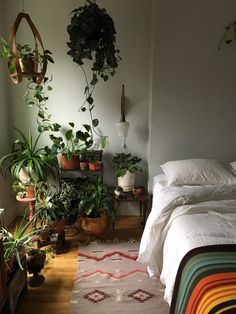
(73, 142)
(123, 162)
(95, 196)
(37, 162)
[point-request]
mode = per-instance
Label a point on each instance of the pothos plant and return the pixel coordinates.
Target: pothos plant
(93, 37)
(229, 34)
(36, 95)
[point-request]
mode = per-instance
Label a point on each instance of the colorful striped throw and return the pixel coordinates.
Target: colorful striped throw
(206, 281)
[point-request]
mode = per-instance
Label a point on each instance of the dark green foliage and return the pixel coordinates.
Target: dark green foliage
(124, 162)
(95, 196)
(229, 34)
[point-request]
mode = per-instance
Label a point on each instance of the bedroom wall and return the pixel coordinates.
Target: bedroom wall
(193, 84)
(68, 81)
(6, 197)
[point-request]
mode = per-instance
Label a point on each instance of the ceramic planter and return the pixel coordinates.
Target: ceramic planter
(127, 181)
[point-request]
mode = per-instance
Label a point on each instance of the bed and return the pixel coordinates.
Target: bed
(190, 236)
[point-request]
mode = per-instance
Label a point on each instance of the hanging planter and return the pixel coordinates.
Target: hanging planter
(23, 61)
(93, 38)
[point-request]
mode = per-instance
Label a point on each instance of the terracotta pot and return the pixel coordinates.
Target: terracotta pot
(30, 192)
(96, 165)
(94, 225)
(58, 226)
(83, 165)
(69, 164)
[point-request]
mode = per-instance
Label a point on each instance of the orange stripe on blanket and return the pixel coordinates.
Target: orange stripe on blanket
(206, 284)
(218, 296)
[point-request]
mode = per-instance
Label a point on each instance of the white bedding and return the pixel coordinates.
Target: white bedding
(183, 218)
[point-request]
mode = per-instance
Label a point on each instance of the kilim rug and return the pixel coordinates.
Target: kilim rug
(110, 280)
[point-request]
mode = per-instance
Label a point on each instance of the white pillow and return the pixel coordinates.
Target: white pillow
(198, 172)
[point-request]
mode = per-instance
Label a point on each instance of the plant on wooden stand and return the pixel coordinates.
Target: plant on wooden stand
(73, 143)
(126, 166)
(27, 163)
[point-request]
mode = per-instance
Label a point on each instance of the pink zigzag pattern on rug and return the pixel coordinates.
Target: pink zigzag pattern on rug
(100, 258)
(98, 271)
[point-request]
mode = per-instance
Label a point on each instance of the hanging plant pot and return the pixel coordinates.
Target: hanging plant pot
(34, 68)
(27, 65)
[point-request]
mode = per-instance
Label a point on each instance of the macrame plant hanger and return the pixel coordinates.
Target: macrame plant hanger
(39, 70)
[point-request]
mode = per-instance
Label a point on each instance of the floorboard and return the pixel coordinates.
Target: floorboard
(53, 295)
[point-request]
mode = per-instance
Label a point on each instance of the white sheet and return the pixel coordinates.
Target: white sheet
(183, 218)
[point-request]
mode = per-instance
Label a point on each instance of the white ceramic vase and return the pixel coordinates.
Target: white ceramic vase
(127, 181)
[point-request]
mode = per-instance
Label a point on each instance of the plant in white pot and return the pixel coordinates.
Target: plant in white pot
(126, 166)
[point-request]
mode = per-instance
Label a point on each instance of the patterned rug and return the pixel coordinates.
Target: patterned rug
(110, 280)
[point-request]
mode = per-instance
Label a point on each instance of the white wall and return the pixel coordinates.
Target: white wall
(193, 84)
(132, 21)
(6, 196)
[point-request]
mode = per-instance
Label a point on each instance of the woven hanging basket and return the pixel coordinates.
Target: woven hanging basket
(34, 70)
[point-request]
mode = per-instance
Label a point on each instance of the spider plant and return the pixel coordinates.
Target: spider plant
(37, 163)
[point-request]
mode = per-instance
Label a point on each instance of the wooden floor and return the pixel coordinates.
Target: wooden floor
(53, 295)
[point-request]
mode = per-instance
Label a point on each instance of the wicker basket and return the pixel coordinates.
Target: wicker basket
(94, 225)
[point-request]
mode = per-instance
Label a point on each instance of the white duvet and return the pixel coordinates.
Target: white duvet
(181, 219)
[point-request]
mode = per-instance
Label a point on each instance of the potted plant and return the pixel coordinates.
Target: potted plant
(35, 259)
(95, 160)
(27, 163)
(96, 202)
(27, 57)
(73, 143)
(24, 190)
(14, 244)
(50, 211)
(126, 166)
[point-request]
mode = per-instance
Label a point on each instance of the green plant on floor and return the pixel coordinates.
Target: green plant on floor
(48, 206)
(95, 196)
(123, 162)
(92, 37)
(14, 243)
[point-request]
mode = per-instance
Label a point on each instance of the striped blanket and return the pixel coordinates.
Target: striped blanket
(206, 281)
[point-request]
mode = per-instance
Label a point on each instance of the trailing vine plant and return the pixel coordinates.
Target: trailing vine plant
(229, 34)
(93, 37)
(37, 96)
